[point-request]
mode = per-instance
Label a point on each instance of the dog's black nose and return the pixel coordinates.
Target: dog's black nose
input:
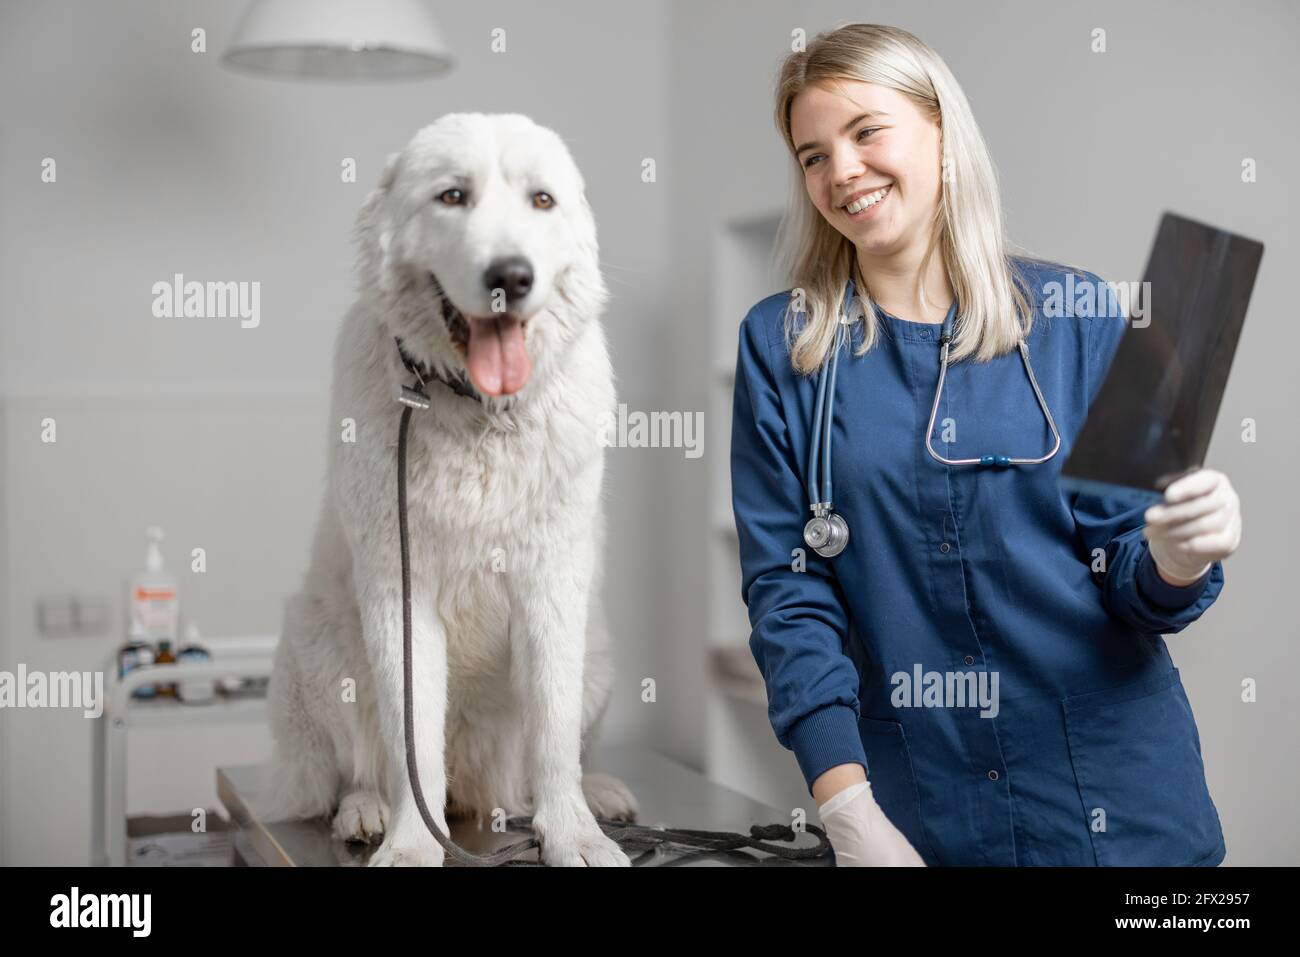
(514, 274)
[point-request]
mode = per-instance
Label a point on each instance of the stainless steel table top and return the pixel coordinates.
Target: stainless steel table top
(668, 793)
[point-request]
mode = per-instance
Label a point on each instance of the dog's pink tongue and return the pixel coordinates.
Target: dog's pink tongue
(498, 361)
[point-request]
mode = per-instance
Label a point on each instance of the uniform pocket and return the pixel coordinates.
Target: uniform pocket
(1137, 763)
(893, 783)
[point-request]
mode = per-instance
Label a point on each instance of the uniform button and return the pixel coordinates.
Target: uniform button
(944, 548)
(969, 660)
(993, 775)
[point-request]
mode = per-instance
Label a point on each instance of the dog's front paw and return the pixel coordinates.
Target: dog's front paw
(362, 816)
(410, 855)
(585, 848)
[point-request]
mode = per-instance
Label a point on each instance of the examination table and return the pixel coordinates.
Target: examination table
(668, 793)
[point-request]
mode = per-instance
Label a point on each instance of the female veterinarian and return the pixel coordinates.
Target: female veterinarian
(956, 578)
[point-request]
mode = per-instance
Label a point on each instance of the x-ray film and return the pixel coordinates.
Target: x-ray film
(1155, 413)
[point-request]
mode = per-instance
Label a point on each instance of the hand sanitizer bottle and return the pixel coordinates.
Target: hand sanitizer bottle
(155, 608)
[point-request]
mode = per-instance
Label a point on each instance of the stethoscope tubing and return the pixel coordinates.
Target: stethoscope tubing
(991, 459)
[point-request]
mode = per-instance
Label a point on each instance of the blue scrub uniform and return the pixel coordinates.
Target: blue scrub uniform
(1093, 756)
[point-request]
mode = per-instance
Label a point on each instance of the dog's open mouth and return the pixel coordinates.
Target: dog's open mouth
(492, 349)
(497, 360)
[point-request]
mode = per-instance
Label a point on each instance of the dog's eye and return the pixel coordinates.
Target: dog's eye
(452, 197)
(543, 200)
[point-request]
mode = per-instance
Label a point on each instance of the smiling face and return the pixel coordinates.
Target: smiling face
(871, 163)
(479, 223)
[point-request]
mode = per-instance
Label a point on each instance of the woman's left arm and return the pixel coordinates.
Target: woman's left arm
(1143, 558)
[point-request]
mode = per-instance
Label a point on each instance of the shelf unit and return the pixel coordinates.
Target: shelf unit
(250, 657)
(742, 272)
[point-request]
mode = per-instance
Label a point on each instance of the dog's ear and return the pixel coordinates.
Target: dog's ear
(373, 230)
(377, 195)
(390, 170)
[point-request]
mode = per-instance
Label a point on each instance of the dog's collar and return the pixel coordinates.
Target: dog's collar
(458, 383)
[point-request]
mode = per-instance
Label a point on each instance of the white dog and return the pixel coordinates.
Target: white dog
(478, 252)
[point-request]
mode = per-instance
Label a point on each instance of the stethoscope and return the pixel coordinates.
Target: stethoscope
(826, 532)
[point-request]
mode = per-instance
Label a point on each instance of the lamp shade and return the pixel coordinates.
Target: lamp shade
(339, 40)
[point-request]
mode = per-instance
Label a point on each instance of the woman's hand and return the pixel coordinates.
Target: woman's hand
(861, 835)
(1197, 524)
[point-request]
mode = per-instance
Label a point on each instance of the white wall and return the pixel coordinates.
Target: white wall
(168, 163)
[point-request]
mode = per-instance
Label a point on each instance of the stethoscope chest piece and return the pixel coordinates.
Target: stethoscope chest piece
(827, 534)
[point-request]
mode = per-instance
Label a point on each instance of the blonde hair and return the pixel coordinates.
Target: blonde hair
(995, 307)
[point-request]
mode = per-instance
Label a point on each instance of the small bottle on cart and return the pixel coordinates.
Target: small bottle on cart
(204, 690)
(136, 653)
(165, 657)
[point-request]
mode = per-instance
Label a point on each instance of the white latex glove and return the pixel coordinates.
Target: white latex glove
(1197, 524)
(861, 835)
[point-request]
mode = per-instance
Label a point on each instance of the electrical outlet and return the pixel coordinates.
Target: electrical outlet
(55, 617)
(91, 614)
(72, 616)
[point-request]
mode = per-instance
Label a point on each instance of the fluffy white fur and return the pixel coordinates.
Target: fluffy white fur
(512, 667)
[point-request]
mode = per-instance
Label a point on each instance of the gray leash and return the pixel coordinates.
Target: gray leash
(632, 837)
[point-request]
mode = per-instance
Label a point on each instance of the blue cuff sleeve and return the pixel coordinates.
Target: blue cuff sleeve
(1161, 592)
(1131, 588)
(825, 739)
